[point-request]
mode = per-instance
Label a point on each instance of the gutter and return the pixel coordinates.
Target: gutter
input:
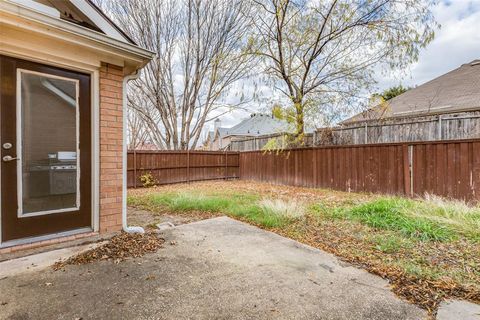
(125, 226)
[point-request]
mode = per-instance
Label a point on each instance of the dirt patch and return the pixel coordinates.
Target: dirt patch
(149, 219)
(118, 248)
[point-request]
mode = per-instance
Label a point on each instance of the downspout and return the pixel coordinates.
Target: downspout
(126, 228)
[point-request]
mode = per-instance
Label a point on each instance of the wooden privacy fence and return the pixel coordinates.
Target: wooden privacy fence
(181, 166)
(446, 168)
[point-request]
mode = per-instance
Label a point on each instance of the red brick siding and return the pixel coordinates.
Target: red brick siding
(111, 139)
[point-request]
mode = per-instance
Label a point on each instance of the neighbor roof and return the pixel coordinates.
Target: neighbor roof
(257, 124)
(455, 91)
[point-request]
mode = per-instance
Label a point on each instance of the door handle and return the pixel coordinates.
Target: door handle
(9, 158)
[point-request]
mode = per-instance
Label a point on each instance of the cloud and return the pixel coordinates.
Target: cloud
(457, 42)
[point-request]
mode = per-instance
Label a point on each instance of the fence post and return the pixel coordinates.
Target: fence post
(188, 166)
(410, 162)
(226, 166)
(135, 168)
(315, 172)
(366, 133)
(408, 169)
(439, 127)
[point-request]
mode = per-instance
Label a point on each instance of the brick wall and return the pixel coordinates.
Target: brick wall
(111, 139)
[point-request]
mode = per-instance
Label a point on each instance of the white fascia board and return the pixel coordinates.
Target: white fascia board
(72, 32)
(39, 7)
(99, 21)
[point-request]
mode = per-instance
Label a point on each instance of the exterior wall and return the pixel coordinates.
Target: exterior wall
(111, 140)
(41, 38)
(223, 143)
(219, 143)
(226, 142)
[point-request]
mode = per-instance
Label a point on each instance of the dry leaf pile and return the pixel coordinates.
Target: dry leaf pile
(118, 248)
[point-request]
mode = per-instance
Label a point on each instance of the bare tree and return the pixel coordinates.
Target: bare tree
(201, 52)
(328, 50)
(138, 133)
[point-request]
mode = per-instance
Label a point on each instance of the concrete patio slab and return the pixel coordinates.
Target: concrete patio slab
(212, 269)
(37, 262)
(458, 309)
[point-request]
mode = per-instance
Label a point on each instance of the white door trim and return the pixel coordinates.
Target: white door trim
(19, 149)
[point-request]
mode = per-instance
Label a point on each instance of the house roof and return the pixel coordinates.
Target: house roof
(81, 12)
(256, 125)
(455, 91)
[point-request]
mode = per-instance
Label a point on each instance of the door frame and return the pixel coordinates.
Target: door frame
(19, 144)
(95, 152)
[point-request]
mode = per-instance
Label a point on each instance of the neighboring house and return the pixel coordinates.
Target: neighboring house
(257, 124)
(445, 108)
(64, 67)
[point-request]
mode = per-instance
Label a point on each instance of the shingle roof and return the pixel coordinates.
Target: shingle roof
(257, 124)
(457, 90)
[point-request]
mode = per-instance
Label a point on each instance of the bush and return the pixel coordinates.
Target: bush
(148, 180)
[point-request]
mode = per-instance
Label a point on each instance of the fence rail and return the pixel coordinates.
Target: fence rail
(181, 166)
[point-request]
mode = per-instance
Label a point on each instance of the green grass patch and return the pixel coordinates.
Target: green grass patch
(247, 206)
(432, 219)
(456, 215)
(393, 214)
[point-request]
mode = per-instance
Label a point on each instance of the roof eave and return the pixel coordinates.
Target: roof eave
(59, 28)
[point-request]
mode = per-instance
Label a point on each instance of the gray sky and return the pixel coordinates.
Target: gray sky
(457, 42)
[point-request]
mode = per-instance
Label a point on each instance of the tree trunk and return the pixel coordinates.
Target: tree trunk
(299, 121)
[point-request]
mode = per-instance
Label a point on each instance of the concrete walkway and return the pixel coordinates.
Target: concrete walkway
(35, 262)
(213, 269)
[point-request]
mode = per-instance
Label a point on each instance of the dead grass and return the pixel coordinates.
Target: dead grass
(426, 249)
(267, 190)
(289, 209)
